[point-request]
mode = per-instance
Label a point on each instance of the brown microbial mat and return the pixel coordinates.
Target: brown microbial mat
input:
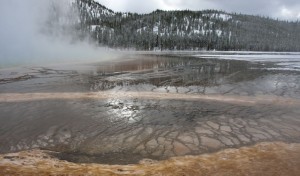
(267, 159)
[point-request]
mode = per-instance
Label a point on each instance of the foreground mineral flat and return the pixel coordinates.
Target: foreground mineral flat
(267, 159)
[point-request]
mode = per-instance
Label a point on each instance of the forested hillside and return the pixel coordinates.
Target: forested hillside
(186, 30)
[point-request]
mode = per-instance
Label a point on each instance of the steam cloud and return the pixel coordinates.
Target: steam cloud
(26, 38)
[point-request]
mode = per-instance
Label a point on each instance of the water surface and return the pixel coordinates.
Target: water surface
(150, 106)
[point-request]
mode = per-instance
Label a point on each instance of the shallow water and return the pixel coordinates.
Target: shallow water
(148, 106)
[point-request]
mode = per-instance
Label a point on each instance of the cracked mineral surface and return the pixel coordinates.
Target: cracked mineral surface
(265, 158)
(147, 106)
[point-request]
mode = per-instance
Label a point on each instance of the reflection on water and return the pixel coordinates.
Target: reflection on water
(196, 75)
(170, 71)
(156, 107)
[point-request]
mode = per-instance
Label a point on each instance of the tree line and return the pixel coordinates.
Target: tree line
(185, 30)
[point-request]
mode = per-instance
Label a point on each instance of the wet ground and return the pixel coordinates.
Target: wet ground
(266, 159)
(148, 106)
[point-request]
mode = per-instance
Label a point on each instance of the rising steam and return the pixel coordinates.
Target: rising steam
(43, 31)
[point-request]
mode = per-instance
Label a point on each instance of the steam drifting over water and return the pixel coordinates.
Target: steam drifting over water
(36, 32)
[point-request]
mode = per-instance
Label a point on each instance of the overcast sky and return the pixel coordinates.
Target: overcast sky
(283, 9)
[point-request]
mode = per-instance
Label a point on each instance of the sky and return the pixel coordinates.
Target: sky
(282, 9)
